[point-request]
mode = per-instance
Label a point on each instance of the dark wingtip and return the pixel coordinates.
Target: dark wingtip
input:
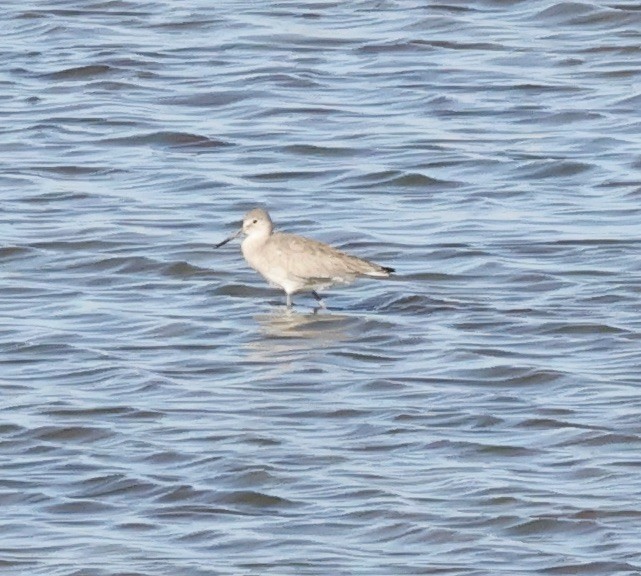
(388, 270)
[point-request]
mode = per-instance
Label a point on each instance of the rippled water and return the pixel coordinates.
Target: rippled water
(480, 413)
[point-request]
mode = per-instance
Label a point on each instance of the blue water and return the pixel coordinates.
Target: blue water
(161, 412)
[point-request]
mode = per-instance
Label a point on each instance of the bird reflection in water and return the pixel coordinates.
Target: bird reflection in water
(284, 335)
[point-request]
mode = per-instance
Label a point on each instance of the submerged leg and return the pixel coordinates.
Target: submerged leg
(320, 301)
(289, 300)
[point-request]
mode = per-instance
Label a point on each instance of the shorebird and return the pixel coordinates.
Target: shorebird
(295, 263)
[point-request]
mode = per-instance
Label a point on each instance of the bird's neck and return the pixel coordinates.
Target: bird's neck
(255, 240)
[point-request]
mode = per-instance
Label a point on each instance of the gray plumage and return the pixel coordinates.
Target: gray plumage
(298, 264)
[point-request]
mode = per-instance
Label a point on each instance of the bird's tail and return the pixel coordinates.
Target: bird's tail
(379, 272)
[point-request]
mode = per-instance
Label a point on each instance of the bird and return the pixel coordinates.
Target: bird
(296, 263)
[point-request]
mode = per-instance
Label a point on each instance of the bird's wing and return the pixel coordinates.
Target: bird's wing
(310, 259)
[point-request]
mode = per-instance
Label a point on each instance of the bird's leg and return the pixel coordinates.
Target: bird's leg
(289, 300)
(320, 301)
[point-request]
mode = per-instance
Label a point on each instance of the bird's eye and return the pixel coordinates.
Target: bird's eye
(255, 221)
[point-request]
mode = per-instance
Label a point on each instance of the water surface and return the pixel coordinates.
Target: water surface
(162, 413)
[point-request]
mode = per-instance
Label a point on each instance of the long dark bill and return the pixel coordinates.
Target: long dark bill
(228, 239)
